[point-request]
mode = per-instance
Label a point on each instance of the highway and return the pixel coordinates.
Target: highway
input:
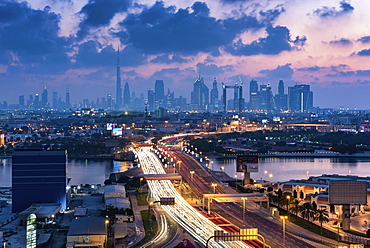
(201, 181)
(182, 212)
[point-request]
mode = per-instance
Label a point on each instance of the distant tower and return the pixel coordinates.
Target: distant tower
(253, 95)
(110, 102)
(44, 98)
(281, 99)
(36, 102)
(21, 101)
(126, 95)
(55, 100)
(214, 94)
(68, 99)
(159, 94)
(300, 98)
(118, 85)
(151, 100)
(200, 94)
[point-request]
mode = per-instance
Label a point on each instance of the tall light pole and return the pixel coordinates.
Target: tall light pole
(222, 168)
(179, 169)
(265, 172)
(191, 179)
(244, 198)
(287, 205)
(236, 181)
(106, 231)
(141, 179)
(284, 218)
(337, 213)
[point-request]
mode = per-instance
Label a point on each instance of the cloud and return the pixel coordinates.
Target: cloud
(212, 69)
(30, 34)
(98, 13)
(360, 73)
(278, 40)
(365, 52)
(160, 29)
(280, 72)
(168, 59)
(341, 42)
(313, 68)
(333, 12)
(365, 39)
(89, 56)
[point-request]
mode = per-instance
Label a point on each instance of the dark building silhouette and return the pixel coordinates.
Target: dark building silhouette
(159, 94)
(44, 98)
(55, 100)
(214, 95)
(109, 102)
(265, 98)
(281, 99)
(253, 95)
(38, 176)
(126, 95)
(200, 95)
(300, 98)
(21, 101)
(151, 100)
(68, 99)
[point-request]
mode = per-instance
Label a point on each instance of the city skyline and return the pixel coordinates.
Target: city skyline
(74, 45)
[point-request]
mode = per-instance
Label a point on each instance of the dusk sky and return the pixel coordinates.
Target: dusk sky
(73, 43)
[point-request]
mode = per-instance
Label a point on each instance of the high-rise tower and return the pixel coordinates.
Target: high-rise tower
(68, 99)
(200, 94)
(253, 95)
(118, 85)
(44, 98)
(126, 95)
(159, 94)
(300, 98)
(214, 95)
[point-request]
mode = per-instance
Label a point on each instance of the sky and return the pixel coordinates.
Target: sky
(73, 44)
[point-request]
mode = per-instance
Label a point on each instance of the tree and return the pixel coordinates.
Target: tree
(295, 206)
(306, 211)
(322, 216)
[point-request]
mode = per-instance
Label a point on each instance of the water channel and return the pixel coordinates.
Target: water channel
(95, 171)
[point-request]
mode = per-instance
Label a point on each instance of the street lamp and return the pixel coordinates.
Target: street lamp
(287, 205)
(222, 168)
(284, 218)
(191, 179)
(244, 198)
(307, 173)
(337, 213)
(179, 170)
(214, 185)
(265, 172)
(106, 222)
(270, 176)
(236, 180)
(141, 179)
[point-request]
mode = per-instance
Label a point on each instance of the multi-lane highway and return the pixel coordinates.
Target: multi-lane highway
(201, 182)
(182, 212)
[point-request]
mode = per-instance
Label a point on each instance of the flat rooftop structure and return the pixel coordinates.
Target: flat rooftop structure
(87, 226)
(117, 202)
(42, 210)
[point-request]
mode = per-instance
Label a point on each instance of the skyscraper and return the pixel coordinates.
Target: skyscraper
(300, 98)
(55, 100)
(265, 98)
(159, 94)
(281, 99)
(126, 96)
(151, 100)
(68, 99)
(200, 94)
(214, 95)
(110, 102)
(253, 95)
(38, 176)
(44, 98)
(36, 102)
(21, 101)
(118, 85)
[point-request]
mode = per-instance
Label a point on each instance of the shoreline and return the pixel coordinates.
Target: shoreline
(305, 155)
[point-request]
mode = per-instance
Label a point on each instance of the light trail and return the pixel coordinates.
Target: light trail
(182, 212)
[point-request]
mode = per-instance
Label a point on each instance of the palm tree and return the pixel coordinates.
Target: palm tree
(295, 206)
(322, 216)
(306, 210)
